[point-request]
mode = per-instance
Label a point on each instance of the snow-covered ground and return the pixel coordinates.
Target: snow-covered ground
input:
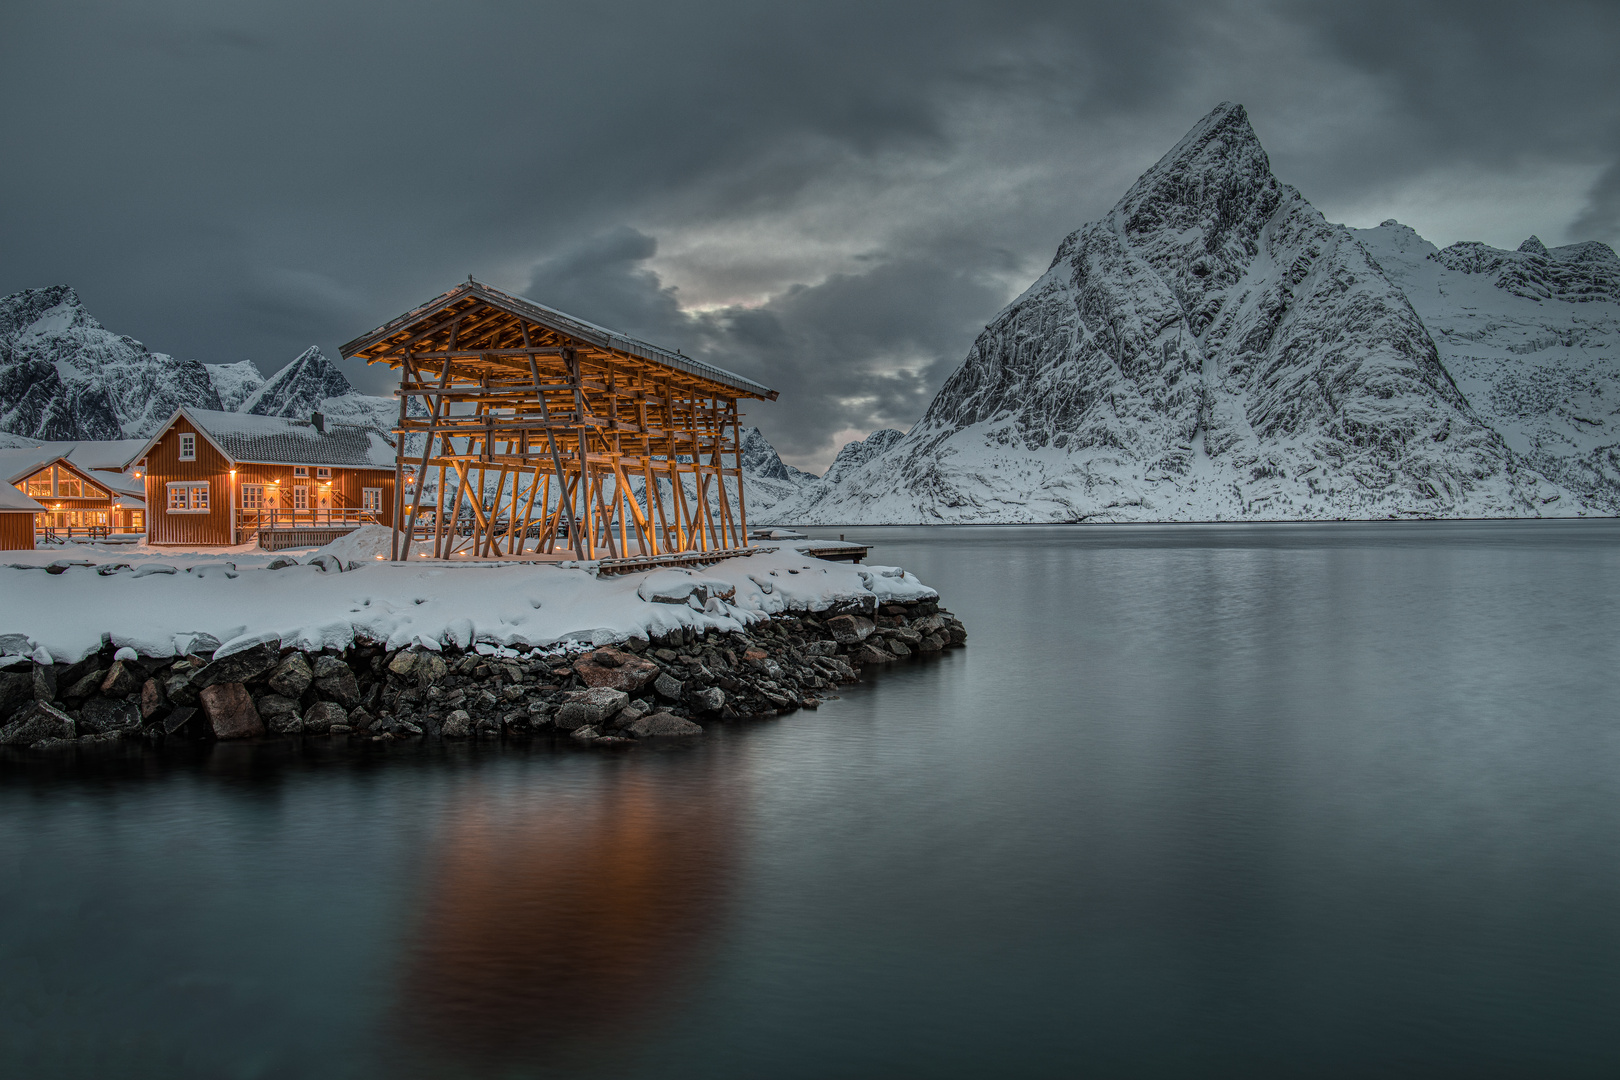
(167, 601)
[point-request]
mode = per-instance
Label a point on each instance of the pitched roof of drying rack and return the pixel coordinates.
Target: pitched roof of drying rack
(439, 310)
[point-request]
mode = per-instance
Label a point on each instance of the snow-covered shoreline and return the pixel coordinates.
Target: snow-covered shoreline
(164, 604)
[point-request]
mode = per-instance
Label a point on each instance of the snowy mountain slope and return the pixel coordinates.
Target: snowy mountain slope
(1532, 338)
(312, 383)
(856, 454)
(65, 376)
(234, 383)
(1213, 349)
(767, 480)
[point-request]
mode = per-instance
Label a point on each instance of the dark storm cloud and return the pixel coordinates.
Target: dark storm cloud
(831, 198)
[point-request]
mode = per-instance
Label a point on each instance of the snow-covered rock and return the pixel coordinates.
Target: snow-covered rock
(1212, 349)
(767, 480)
(234, 383)
(856, 454)
(65, 376)
(1532, 339)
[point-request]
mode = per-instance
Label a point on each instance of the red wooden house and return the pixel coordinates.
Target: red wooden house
(75, 499)
(218, 478)
(17, 513)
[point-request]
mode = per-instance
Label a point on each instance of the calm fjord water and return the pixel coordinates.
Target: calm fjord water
(1327, 799)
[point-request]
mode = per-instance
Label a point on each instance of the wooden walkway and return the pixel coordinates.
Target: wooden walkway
(832, 551)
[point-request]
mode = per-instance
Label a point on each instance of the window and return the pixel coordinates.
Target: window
(189, 498)
(253, 496)
(39, 485)
(137, 520)
(323, 473)
(68, 486)
(300, 498)
(188, 446)
(371, 500)
(93, 492)
(300, 470)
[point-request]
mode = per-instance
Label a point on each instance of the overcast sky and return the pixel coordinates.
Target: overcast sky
(832, 198)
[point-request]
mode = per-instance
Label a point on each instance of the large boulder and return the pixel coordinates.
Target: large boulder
(16, 687)
(668, 687)
(323, 716)
(230, 711)
(123, 679)
(590, 707)
(711, 700)
(239, 667)
(339, 685)
(102, 716)
(151, 698)
(850, 629)
(37, 722)
(616, 670)
(280, 714)
(458, 725)
(662, 724)
(292, 676)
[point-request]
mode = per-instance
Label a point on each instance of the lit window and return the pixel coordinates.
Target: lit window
(371, 499)
(252, 496)
(323, 473)
(188, 498)
(188, 446)
(300, 498)
(137, 520)
(40, 484)
(93, 492)
(68, 486)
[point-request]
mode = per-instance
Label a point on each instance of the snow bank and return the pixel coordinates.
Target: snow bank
(163, 609)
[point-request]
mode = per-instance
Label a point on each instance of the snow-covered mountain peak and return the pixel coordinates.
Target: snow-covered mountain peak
(235, 383)
(299, 388)
(1574, 273)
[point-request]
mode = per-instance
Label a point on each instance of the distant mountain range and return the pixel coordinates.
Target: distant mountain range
(1212, 349)
(63, 376)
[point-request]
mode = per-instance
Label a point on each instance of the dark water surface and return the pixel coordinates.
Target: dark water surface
(1322, 800)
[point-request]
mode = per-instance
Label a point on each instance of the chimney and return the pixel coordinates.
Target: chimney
(319, 421)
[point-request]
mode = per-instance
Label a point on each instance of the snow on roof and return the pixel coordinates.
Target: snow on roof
(16, 465)
(571, 325)
(278, 440)
(13, 500)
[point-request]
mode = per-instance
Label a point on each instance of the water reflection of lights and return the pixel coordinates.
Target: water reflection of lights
(550, 921)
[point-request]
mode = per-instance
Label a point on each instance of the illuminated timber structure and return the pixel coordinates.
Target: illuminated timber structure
(599, 442)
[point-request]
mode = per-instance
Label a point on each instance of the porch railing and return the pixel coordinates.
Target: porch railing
(249, 522)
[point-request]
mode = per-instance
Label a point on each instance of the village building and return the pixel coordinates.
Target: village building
(538, 432)
(218, 478)
(17, 514)
(76, 498)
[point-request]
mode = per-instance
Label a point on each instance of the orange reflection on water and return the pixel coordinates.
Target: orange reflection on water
(551, 918)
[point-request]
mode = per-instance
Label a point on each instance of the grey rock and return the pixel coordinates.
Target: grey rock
(178, 689)
(668, 687)
(280, 714)
(662, 724)
(123, 679)
(106, 715)
(850, 629)
(403, 662)
(16, 687)
(458, 725)
(585, 734)
(341, 687)
(711, 700)
(871, 654)
(85, 685)
(590, 707)
(41, 720)
(899, 648)
(292, 676)
(151, 698)
(820, 648)
(323, 716)
(44, 680)
(326, 666)
(239, 667)
(180, 721)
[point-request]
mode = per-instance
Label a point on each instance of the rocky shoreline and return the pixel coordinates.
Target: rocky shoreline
(611, 696)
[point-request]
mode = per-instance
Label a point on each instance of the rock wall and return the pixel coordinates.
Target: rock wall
(605, 697)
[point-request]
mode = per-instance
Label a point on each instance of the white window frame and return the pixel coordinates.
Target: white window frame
(188, 446)
(192, 496)
(371, 500)
(323, 472)
(300, 497)
(253, 496)
(300, 470)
